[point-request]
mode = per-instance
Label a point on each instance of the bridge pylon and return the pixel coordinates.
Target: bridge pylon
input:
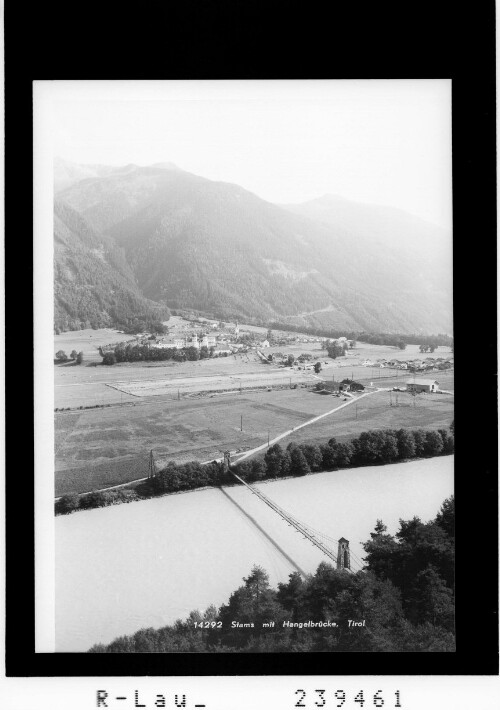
(343, 554)
(227, 460)
(152, 465)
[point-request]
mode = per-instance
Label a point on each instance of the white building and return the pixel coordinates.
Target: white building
(192, 342)
(209, 341)
(177, 343)
(422, 386)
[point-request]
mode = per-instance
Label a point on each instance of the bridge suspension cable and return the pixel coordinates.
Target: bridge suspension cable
(303, 528)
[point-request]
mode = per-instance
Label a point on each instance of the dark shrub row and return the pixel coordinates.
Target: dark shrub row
(96, 499)
(184, 477)
(90, 406)
(369, 448)
(127, 352)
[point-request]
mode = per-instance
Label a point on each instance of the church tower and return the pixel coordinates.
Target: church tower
(343, 554)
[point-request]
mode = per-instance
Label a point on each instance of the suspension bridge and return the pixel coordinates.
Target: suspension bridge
(338, 551)
(343, 558)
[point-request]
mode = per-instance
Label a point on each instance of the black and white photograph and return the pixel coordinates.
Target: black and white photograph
(246, 339)
(249, 237)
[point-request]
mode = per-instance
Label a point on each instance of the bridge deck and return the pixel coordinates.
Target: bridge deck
(289, 519)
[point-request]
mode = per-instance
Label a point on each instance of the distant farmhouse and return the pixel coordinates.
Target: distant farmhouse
(422, 386)
(344, 386)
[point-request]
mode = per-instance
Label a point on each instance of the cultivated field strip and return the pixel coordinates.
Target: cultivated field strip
(158, 386)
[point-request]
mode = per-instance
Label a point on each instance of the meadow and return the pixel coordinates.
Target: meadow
(159, 406)
(104, 447)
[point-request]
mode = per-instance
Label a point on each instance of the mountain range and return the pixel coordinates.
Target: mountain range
(132, 242)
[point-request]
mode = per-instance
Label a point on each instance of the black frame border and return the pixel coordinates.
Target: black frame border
(432, 40)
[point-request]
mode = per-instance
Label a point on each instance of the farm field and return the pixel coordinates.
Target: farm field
(104, 447)
(191, 385)
(429, 411)
(101, 447)
(158, 406)
(86, 386)
(88, 341)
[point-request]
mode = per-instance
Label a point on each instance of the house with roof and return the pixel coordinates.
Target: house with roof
(422, 386)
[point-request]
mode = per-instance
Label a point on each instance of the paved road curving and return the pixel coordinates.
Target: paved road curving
(246, 454)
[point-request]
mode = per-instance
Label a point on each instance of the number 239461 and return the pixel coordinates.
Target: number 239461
(339, 698)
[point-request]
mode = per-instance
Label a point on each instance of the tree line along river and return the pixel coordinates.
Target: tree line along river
(146, 564)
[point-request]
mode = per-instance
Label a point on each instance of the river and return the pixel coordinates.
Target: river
(146, 564)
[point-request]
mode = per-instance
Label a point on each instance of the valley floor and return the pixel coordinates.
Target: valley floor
(96, 448)
(183, 411)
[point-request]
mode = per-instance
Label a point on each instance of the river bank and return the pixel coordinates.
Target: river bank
(118, 569)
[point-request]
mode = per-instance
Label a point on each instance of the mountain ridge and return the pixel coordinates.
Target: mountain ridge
(214, 246)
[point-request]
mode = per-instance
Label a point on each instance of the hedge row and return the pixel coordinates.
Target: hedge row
(96, 499)
(369, 448)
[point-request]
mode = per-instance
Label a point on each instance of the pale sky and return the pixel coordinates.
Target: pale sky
(380, 141)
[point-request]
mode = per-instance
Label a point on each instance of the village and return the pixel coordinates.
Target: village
(219, 339)
(199, 338)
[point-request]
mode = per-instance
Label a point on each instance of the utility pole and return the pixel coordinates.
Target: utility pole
(241, 422)
(178, 394)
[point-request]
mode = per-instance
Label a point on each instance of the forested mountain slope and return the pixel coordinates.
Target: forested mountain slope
(93, 283)
(189, 242)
